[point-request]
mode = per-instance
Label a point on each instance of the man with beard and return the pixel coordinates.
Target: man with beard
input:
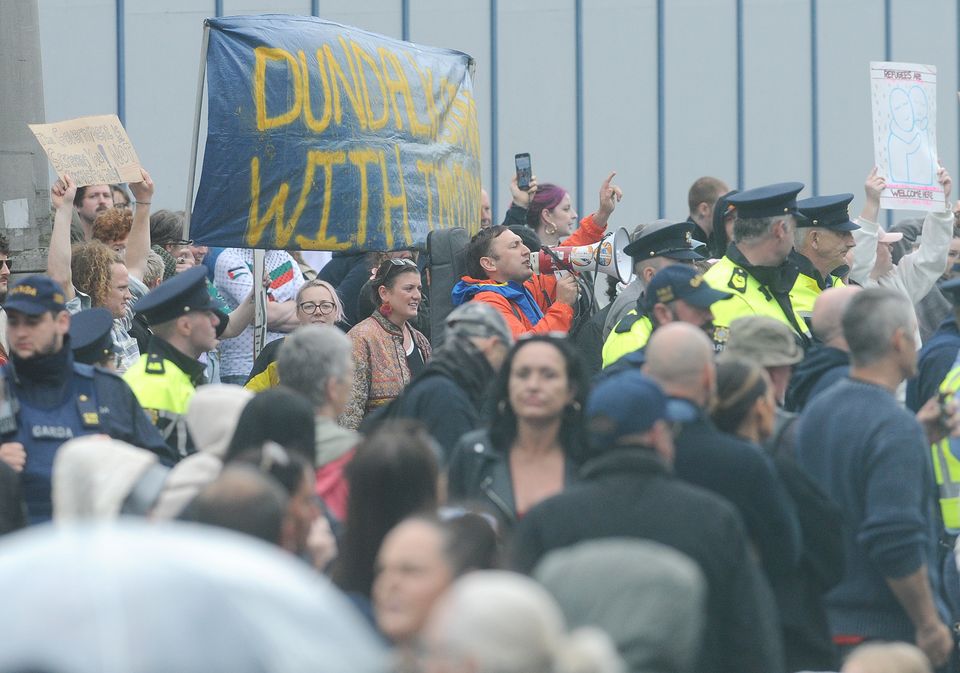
(676, 293)
(89, 202)
(48, 398)
(821, 245)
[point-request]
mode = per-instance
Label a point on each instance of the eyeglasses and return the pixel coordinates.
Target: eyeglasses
(311, 307)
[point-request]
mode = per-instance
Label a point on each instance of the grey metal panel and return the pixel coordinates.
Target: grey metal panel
(620, 106)
(846, 127)
(930, 38)
(161, 90)
(701, 97)
(777, 92)
(536, 93)
(79, 57)
(378, 16)
(239, 7)
(462, 25)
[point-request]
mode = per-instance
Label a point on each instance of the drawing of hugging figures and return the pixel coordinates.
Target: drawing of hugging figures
(908, 145)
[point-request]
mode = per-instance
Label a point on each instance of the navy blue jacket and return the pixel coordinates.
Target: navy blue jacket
(59, 400)
(870, 456)
(934, 362)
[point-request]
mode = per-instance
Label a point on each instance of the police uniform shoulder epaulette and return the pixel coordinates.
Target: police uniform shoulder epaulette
(155, 364)
(738, 280)
(627, 322)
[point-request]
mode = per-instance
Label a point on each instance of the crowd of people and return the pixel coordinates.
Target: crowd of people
(742, 462)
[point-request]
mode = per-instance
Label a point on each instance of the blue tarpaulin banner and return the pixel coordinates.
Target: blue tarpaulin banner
(326, 137)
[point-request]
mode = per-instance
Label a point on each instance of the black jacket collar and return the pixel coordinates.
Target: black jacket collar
(162, 350)
(778, 279)
(634, 459)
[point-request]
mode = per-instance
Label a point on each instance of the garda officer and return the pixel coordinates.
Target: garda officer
(49, 398)
(184, 322)
(756, 269)
(91, 339)
(946, 453)
(653, 246)
(821, 246)
(675, 293)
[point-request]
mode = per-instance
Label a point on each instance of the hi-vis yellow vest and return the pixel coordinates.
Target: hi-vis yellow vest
(805, 292)
(164, 391)
(622, 343)
(749, 298)
(946, 468)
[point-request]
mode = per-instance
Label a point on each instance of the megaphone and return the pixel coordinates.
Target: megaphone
(605, 256)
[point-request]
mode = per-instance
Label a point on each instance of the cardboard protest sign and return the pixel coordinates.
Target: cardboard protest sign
(326, 137)
(91, 150)
(905, 134)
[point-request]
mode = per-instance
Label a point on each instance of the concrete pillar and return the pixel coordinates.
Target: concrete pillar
(23, 164)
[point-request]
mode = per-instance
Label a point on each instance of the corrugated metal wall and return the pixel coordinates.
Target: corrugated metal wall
(663, 91)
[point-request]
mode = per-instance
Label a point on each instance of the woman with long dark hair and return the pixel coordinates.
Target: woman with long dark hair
(392, 475)
(533, 445)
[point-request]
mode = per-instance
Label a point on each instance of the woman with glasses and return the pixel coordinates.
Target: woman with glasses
(317, 304)
(387, 351)
(532, 448)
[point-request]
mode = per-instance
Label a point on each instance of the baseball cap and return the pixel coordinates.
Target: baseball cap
(478, 319)
(35, 295)
(681, 282)
(624, 404)
(764, 340)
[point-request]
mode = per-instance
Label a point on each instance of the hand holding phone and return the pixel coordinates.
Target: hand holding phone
(524, 170)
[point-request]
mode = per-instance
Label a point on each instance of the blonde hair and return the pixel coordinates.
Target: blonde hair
(316, 282)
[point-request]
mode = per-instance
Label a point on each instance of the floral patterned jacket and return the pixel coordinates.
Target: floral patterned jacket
(380, 366)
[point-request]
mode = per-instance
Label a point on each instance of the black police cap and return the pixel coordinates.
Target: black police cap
(829, 212)
(768, 201)
(673, 241)
(185, 292)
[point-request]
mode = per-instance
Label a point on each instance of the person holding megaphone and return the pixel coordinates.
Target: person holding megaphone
(503, 273)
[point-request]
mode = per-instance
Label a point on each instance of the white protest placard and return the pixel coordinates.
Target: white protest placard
(904, 99)
(91, 150)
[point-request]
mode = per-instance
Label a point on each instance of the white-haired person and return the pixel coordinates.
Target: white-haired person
(501, 622)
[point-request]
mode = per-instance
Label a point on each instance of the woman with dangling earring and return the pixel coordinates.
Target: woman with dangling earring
(532, 447)
(387, 351)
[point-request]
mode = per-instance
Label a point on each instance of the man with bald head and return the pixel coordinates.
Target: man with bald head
(828, 360)
(680, 359)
